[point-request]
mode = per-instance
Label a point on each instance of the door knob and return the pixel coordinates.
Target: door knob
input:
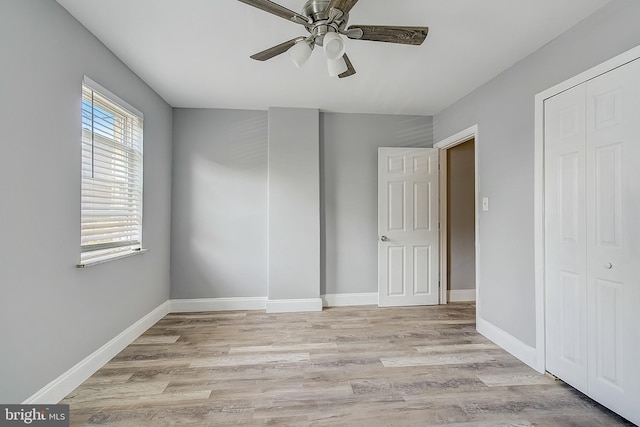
(608, 265)
(384, 239)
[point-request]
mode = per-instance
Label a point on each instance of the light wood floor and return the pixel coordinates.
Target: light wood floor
(351, 366)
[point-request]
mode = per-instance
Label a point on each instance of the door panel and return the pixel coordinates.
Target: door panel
(608, 333)
(422, 213)
(565, 235)
(395, 271)
(571, 312)
(408, 219)
(570, 178)
(608, 194)
(613, 245)
(397, 203)
(421, 267)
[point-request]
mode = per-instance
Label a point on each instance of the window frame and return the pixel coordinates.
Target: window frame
(131, 160)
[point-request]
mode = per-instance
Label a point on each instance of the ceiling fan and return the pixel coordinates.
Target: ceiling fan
(326, 21)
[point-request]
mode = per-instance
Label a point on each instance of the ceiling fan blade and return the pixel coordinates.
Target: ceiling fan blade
(276, 9)
(350, 70)
(344, 5)
(379, 33)
(275, 51)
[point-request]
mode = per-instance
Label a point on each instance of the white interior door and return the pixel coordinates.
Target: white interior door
(592, 238)
(408, 217)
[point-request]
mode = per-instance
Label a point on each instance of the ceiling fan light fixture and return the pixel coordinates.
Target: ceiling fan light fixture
(336, 66)
(300, 53)
(333, 46)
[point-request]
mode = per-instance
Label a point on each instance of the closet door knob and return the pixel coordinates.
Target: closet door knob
(608, 265)
(384, 239)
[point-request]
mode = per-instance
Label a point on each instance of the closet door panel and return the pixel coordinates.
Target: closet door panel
(613, 238)
(565, 228)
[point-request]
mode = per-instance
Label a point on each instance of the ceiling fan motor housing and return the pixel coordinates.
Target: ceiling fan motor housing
(316, 11)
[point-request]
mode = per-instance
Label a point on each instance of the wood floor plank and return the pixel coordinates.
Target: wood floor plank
(447, 359)
(505, 379)
(441, 348)
(348, 366)
(156, 339)
(283, 348)
(250, 360)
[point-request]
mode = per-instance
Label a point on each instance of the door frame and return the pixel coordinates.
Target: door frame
(539, 193)
(444, 145)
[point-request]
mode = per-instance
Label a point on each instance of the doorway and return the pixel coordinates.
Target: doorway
(460, 223)
(459, 209)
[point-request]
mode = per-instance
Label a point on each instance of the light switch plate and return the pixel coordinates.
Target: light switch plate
(485, 204)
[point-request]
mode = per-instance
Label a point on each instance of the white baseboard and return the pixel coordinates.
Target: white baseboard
(461, 295)
(261, 303)
(344, 300)
(57, 389)
(218, 304)
(509, 343)
(294, 305)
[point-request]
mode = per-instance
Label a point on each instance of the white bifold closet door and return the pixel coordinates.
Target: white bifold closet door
(592, 238)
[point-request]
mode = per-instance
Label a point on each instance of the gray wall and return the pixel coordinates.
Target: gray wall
(349, 167)
(294, 204)
(53, 314)
(219, 219)
(219, 226)
(504, 110)
(461, 218)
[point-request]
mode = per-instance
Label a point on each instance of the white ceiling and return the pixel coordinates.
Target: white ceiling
(195, 53)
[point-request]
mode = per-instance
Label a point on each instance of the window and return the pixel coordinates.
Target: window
(111, 197)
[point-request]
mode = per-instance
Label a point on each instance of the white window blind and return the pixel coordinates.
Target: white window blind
(111, 199)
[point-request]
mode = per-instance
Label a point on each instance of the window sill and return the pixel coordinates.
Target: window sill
(98, 261)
